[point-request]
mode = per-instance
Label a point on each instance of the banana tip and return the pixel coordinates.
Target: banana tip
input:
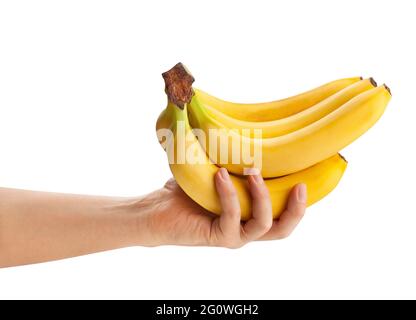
(387, 88)
(373, 82)
(343, 158)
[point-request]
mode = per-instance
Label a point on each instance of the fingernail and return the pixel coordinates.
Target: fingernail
(302, 193)
(224, 174)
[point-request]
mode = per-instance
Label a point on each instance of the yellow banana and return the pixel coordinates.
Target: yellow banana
(283, 126)
(297, 150)
(195, 175)
(268, 111)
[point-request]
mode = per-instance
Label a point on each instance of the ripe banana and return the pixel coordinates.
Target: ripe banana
(297, 150)
(279, 109)
(195, 173)
(282, 126)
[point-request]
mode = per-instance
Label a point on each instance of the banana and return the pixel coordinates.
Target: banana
(283, 126)
(195, 173)
(279, 109)
(299, 149)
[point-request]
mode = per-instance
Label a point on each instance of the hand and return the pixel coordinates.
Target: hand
(176, 219)
(41, 226)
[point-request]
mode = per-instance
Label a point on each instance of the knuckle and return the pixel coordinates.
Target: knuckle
(231, 211)
(234, 216)
(261, 193)
(300, 212)
(234, 212)
(227, 192)
(230, 193)
(231, 244)
(235, 246)
(265, 224)
(284, 234)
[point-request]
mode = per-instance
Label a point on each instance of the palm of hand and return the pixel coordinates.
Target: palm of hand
(181, 219)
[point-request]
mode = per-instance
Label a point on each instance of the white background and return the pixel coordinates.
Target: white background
(80, 90)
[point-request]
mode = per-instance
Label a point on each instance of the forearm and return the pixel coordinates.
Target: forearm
(41, 226)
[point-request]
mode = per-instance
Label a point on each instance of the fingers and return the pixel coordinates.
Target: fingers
(232, 234)
(229, 221)
(262, 216)
(290, 218)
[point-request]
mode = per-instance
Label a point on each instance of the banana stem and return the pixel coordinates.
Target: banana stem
(178, 85)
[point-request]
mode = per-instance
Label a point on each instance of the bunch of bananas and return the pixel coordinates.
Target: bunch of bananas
(297, 138)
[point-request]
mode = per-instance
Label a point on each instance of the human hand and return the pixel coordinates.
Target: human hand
(176, 219)
(42, 226)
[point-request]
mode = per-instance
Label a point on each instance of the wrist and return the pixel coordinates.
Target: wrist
(141, 218)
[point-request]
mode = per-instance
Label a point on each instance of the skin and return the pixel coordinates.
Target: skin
(40, 226)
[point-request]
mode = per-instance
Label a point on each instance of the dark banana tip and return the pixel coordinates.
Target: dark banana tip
(361, 78)
(387, 88)
(342, 157)
(373, 82)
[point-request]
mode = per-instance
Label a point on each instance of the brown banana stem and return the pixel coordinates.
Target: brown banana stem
(178, 85)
